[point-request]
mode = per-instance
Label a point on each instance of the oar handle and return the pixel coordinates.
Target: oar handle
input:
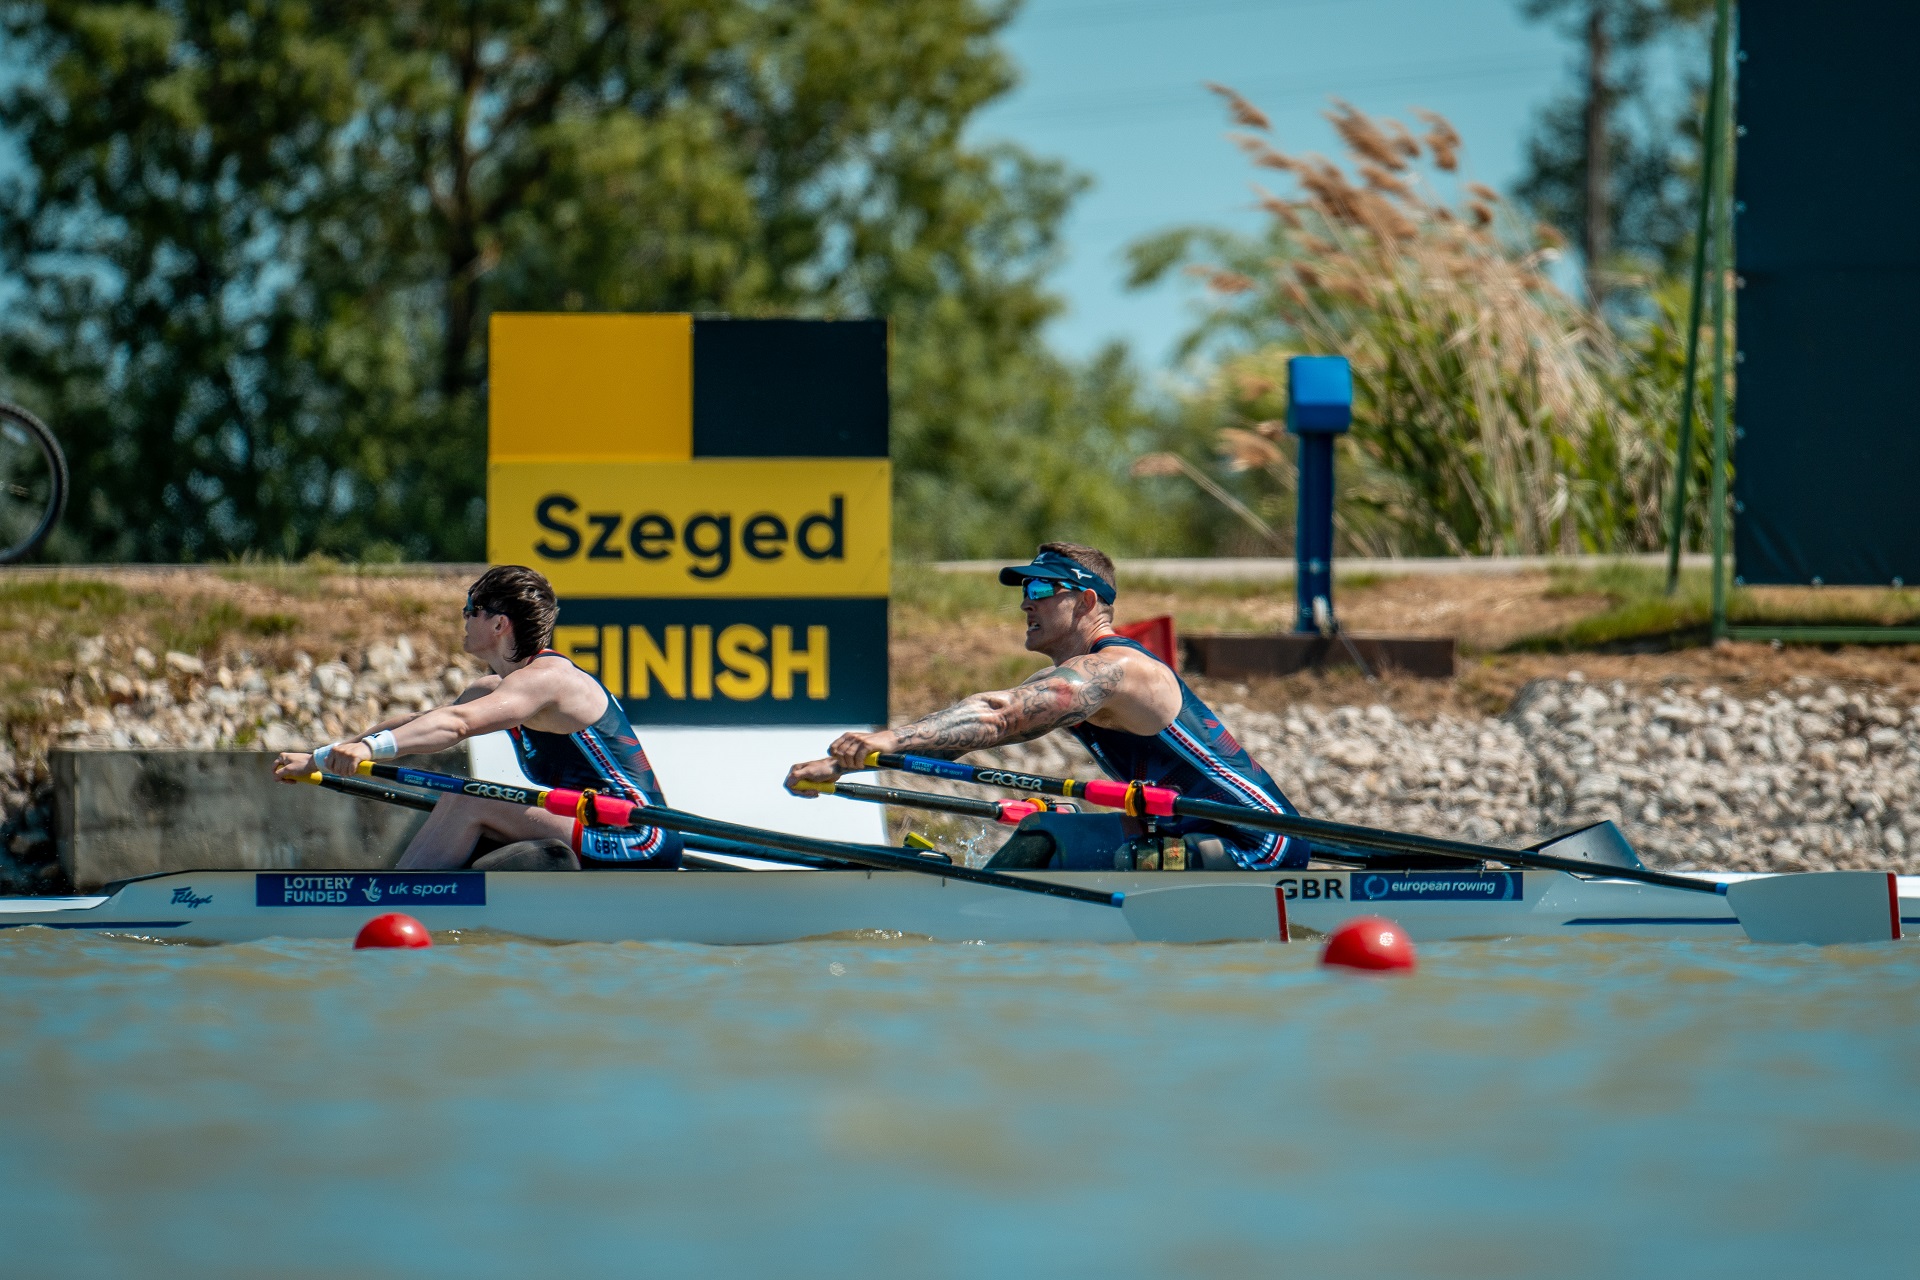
(1137, 798)
(589, 807)
(367, 790)
(1007, 812)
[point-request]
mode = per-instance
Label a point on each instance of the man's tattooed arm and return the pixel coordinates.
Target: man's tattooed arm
(1050, 699)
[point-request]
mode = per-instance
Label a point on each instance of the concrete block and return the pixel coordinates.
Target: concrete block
(119, 814)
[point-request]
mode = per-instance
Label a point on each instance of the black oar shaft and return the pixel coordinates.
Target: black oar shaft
(1349, 834)
(364, 790)
(965, 806)
(863, 855)
(1339, 833)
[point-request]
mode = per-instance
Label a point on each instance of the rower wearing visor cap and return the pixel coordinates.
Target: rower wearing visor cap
(1132, 712)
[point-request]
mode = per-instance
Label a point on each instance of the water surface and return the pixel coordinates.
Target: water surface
(1587, 1107)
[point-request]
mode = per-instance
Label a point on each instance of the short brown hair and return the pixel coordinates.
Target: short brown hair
(1087, 558)
(522, 597)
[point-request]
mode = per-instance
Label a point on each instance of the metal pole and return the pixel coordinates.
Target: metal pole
(1313, 537)
(1710, 152)
(1722, 264)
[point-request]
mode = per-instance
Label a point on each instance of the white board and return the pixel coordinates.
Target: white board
(730, 773)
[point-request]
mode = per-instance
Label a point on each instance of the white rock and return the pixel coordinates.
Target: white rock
(333, 680)
(143, 658)
(185, 663)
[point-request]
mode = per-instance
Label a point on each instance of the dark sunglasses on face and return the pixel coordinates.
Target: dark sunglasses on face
(470, 609)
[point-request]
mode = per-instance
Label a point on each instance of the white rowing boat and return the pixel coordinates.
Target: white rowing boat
(788, 905)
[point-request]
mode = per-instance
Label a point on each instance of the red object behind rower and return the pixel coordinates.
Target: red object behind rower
(393, 929)
(1369, 942)
(1157, 635)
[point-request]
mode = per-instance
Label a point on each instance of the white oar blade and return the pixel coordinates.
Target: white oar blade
(1818, 907)
(1208, 913)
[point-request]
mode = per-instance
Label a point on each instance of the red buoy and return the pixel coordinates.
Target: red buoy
(1369, 942)
(393, 929)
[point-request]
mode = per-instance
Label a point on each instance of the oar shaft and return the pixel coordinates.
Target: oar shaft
(621, 813)
(1007, 812)
(1348, 834)
(1143, 800)
(365, 790)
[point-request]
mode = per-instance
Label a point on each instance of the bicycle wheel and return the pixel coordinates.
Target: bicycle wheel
(33, 483)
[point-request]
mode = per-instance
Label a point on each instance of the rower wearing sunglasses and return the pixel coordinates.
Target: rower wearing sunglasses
(1132, 712)
(566, 728)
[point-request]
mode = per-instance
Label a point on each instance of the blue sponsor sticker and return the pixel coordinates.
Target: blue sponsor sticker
(1435, 886)
(378, 889)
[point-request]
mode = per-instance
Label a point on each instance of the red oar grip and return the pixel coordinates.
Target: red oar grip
(607, 811)
(1012, 811)
(1136, 798)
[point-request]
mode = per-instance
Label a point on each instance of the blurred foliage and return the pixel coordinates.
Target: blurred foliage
(1492, 414)
(254, 244)
(1652, 160)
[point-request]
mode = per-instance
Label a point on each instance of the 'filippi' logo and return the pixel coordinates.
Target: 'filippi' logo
(186, 897)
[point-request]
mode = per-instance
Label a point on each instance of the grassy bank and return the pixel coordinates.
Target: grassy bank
(1639, 614)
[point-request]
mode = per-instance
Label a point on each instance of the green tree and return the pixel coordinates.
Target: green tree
(1612, 164)
(256, 241)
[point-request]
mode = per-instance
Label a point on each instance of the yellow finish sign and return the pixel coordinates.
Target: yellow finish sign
(800, 527)
(710, 498)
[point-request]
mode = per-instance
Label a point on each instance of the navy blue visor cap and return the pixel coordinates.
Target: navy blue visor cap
(1051, 566)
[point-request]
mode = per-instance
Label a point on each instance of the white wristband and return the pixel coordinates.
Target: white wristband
(382, 745)
(322, 754)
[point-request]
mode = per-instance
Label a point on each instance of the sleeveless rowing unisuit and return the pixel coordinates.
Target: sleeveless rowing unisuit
(1199, 756)
(607, 757)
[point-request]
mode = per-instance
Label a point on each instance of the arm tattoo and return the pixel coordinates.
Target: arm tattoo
(1053, 698)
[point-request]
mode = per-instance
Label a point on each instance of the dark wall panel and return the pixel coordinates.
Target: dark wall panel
(789, 388)
(1827, 452)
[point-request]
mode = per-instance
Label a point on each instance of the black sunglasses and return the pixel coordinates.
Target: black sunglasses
(472, 610)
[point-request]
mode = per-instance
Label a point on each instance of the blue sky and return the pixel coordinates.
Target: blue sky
(1113, 87)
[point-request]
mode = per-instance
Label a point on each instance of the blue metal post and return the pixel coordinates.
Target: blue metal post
(1319, 407)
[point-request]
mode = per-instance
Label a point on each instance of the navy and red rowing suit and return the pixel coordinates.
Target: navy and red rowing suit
(607, 757)
(1199, 756)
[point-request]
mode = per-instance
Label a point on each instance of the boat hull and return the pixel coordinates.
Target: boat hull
(784, 906)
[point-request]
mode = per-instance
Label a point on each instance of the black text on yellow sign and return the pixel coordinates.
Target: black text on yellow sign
(697, 660)
(709, 527)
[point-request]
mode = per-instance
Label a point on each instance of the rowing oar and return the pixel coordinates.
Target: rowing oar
(1186, 913)
(1006, 812)
(368, 790)
(1820, 906)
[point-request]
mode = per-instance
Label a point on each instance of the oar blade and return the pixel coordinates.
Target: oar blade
(1208, 913)
(1818, 907)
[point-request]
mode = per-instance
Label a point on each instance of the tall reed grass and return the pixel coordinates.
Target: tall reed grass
(1493, 413)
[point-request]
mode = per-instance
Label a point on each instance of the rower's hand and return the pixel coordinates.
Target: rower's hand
(291, 766)
(811, 771)
(848, 752)
(345, 757)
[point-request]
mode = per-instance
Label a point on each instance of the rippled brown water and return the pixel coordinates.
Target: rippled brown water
(1589, 1107)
